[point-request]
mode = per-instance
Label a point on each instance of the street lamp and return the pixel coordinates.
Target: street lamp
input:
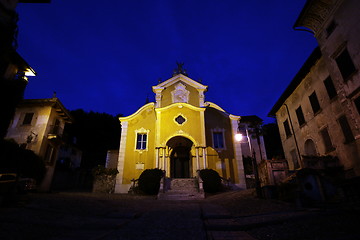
(239, 138)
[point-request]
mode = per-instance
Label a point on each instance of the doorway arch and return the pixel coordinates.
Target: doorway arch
(310, 148)
(180, 157)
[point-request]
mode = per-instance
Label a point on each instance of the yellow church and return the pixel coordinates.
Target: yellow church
(179, 133)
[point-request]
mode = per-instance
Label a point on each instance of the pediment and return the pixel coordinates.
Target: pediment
(180, 78)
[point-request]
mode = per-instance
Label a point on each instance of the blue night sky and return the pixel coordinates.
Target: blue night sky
(106, 55)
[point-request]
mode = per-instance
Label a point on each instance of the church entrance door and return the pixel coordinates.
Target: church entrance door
(180, 157)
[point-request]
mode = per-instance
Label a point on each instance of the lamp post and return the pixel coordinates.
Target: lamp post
(239, 138)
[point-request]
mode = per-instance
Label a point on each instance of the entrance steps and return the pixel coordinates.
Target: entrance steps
(181, 189)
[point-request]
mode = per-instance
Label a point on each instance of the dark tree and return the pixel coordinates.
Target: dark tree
(95, 134)
(23, 162)
(272, 141)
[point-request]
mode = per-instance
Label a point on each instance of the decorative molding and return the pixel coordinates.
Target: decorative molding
(282, 111)
(182, 78)
(180, 94)
(140, 166)
(316, 14)
(201, 98)
(182, 134)
(122, 149)
(142, 131)
(180, 105)
(128, 118)
(307, 83)
(295, 98)
(234, 117)
(180, 119)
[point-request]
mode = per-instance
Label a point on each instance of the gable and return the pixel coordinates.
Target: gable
(184, 79)
(179, 89)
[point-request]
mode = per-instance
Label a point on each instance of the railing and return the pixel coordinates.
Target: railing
(134, 186)
(200, 181)
(226, 182)
(55, 130)
(163, 183)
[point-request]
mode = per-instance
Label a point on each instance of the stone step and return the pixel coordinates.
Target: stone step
(183, 183)
(192, 190)
(182, 189)
(229, 235)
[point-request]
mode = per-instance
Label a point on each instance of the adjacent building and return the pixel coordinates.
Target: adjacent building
(38, 126)
(13, 69)
(318, 113)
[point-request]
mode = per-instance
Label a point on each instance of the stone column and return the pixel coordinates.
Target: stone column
(157, 161)
(204, 157)
(197, 159)
(164, 159)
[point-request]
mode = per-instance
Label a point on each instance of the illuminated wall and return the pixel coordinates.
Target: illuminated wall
(179, 118)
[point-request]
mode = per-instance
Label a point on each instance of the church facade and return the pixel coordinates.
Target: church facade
(179, 133)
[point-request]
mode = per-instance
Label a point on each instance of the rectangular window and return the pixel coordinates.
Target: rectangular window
(357, 104)
(345, 127)
(49, 154)
(300, 116)
(287, 128)
(330, 88)
(28, 118)
(141, 141)
(315, 105)
(218, 140)
(327, 140)
(345, 64)
(330, 29)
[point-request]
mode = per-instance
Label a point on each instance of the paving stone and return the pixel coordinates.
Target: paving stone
(170, 220)
(214, 211)
(223, 225)
(83, 235)
(123, 214)
(105, 224)
(229, 235)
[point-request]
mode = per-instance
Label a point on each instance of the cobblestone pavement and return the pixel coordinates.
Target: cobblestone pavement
(231, 215)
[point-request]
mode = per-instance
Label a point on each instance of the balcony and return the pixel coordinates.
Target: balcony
(55, 133)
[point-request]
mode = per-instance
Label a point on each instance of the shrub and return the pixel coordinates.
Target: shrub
(101, 171)
(24, 162)
(211, 180)
(32, 166)
(149, 181)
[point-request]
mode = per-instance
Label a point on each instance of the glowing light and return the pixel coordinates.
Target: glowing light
(238, 137)
(29, 72)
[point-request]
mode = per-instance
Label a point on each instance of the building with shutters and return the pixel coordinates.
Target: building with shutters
(319, 112)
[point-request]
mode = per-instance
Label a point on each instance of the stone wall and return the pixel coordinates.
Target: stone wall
(104, 184)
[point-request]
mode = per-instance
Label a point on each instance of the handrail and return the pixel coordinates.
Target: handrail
(162, 182)
(226, 182)
(134, 185)
(200, 181)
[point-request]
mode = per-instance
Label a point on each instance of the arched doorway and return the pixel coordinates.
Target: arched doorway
(310, 148)
(180, 157)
